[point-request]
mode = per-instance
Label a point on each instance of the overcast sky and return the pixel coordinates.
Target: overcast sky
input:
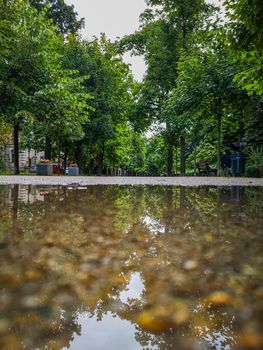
(115, 18)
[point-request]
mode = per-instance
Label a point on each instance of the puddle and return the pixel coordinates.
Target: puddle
(131, 267)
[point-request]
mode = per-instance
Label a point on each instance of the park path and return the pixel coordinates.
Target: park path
(103, 180)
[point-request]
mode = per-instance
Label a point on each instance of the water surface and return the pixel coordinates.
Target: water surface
(131, 267)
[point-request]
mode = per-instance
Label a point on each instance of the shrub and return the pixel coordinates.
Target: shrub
(255, 162)
(205, 151)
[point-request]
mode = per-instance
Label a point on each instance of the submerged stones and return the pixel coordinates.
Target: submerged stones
(218, 298)
(190, 265)
(162, 317)
(74, 253)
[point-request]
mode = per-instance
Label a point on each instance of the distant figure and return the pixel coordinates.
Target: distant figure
(226, 163)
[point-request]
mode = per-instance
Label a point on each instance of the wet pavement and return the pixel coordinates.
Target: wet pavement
(131, 267)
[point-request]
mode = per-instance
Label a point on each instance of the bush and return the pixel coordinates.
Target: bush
(205, 151)
(255, 162)
(2, 164)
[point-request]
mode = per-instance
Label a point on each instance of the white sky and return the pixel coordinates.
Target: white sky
(115, 18)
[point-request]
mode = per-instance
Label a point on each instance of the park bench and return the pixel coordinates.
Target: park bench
(205, 169)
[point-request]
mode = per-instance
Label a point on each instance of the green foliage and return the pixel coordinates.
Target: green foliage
(126, 150)
(253, 121)
(202, 86)
(32, 80)
(246, 21)
(204, 151)
(246, 36)
(62, 15)
(108, 82)
(28, 55)
(168, 30)
(255, 162)
(63, 105)
(195, 80)
(156, 155)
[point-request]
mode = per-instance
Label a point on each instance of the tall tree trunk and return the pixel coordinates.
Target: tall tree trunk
(65, 159)
(219, 122)
(170, 159)
(195, 159)
(182, 138)
(170, 150)
(79, 157)
(48, 148)
(100, 158)
(16, 148)
(58, 154)
(182, 145)
(218, 114)
(29, 159)
(91, 167)
(5, 158)
(176, 160)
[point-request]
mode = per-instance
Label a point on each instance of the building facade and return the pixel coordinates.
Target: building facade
(27, 158)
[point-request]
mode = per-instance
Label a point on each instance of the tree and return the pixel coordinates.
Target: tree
(62, 109)
(246, 37)
(62, 15)
(253, 121)
(5, 140)
(205, 90)
(28, 45)
(109, 80)
(126, 150)
(166, 33)
(156, 152)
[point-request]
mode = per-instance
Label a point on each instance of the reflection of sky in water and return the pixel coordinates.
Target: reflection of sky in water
(134, 288)
(99, 243)
(221, 338)
(217, 340)
(153, 225)
(111, 333)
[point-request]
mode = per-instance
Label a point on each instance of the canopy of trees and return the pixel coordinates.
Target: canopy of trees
(78, 101)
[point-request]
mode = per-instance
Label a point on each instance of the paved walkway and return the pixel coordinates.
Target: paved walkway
(103, 180)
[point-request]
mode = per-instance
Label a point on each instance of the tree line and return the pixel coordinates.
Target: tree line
(203, 85)
(59, 93)
(77, 99)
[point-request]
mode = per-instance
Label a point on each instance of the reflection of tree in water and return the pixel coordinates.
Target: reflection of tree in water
(78, 248)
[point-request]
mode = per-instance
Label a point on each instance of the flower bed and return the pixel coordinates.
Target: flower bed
(73, 169)
(44, 168)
